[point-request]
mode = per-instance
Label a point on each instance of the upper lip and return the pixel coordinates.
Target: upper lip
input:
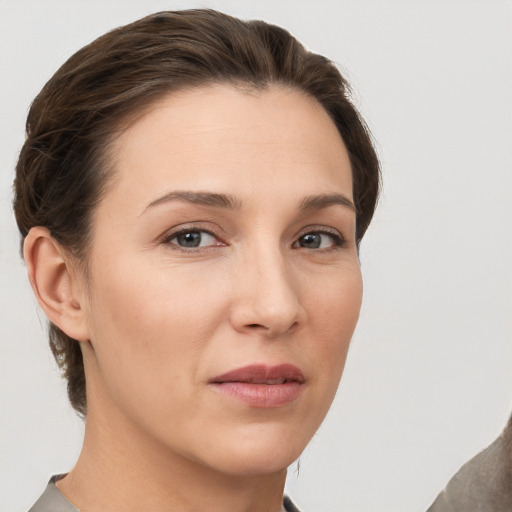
(262, 374)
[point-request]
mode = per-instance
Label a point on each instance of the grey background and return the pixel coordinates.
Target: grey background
(428, 381)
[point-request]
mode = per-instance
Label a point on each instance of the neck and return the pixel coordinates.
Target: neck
(121, 469)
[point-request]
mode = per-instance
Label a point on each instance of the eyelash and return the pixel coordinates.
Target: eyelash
(338, 239)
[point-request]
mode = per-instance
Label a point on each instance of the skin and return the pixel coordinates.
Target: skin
(157, 321)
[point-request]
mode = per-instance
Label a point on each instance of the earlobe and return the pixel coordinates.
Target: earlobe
(52, 281)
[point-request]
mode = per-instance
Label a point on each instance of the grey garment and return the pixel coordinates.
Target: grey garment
(52, 500)
(484, 484)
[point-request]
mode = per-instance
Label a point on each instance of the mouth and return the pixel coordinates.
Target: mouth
(261, 386)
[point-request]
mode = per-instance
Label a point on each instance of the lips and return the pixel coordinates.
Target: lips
(262, 386)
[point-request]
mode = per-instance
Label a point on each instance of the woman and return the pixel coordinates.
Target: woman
(191, 196)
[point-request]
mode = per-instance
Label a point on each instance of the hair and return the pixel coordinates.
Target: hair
(61, 173)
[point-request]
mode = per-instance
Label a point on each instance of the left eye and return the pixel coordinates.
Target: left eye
(318, 240)
(192, 239)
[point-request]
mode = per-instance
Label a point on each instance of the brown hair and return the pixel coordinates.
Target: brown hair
(61, 172)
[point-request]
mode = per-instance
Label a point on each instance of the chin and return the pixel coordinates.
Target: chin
(257, 453)
(251, 464)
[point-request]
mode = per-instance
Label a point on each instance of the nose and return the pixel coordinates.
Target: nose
(266, 297)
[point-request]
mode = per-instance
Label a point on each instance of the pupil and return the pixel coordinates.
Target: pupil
(311, 241)
(189, 239)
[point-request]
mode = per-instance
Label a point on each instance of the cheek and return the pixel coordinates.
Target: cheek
(150, 301)
(149, 328)
(334, 303)
(333, 315)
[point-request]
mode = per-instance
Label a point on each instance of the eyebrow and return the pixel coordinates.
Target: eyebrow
(318, 202)
(313, 202)
(200, 198)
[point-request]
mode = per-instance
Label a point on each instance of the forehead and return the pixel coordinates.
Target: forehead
(220, 136)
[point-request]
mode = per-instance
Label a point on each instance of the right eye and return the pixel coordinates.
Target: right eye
(192, 239)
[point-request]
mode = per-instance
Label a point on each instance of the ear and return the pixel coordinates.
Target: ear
(54, 282)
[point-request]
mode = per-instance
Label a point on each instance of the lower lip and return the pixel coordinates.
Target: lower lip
(261, 395)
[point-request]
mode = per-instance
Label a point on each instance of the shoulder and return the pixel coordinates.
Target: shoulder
(288, 505)
(52, 500)
(480, 484)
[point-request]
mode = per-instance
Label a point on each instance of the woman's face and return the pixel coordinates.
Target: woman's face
(224, 283)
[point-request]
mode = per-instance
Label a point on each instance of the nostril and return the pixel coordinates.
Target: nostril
(269, 331)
